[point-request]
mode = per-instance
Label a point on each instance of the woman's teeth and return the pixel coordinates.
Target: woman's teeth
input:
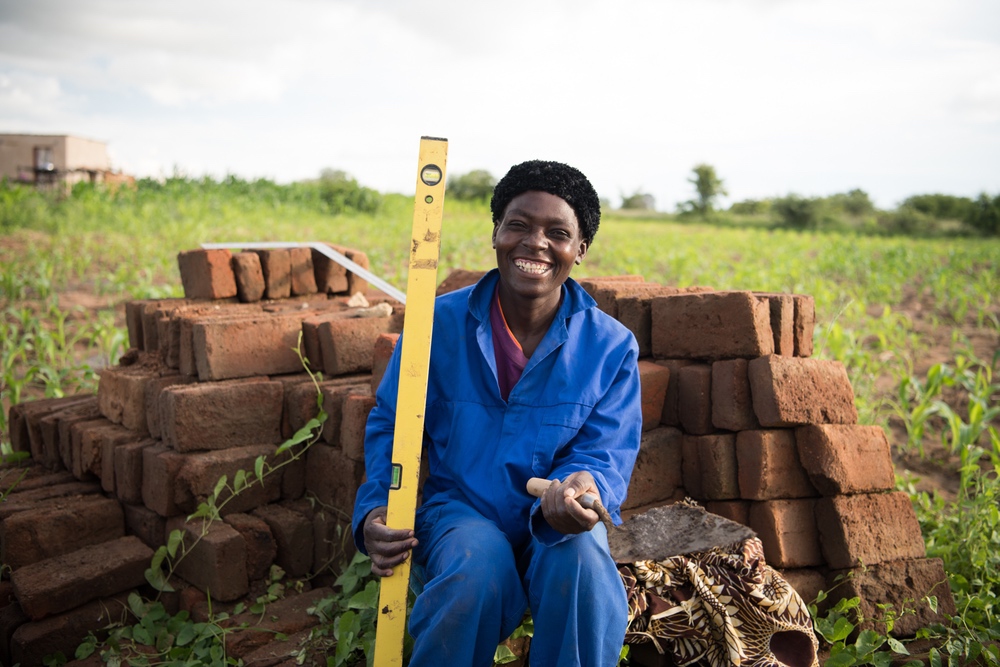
(531, 267)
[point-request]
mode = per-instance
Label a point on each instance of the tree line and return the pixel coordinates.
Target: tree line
(924, 214)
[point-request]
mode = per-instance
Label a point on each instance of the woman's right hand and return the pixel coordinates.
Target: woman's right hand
(386, 547)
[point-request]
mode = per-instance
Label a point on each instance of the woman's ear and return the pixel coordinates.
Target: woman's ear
(581, 253)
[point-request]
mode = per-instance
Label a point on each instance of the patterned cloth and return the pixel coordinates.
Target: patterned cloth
(719, 608)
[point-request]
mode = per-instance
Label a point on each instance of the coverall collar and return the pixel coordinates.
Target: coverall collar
(575, 299)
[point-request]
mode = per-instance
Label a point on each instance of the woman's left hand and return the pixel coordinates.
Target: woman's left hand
(561, 509)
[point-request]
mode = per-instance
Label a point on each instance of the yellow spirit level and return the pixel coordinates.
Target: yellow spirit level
(421, 283)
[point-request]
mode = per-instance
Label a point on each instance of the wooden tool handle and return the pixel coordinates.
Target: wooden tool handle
(537, 486)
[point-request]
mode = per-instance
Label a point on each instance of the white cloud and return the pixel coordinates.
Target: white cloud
(813, 96)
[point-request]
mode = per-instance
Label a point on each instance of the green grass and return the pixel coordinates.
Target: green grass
(123, 246)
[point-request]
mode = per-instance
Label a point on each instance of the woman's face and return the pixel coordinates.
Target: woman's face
(538, 241)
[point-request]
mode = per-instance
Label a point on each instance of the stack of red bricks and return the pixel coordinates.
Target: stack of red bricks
(213, 381)
(738, 416)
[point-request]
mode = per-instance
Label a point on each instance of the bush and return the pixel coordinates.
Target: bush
(799, 212)
(477, 185)
(340, 192)
(751, 207)
(985, 214)
(940, 207)
(906, 220)
(639, 201)
(855, 202)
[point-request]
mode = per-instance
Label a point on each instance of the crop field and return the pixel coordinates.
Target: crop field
(915, 321)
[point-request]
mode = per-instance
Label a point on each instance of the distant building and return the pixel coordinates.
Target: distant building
(49, 159)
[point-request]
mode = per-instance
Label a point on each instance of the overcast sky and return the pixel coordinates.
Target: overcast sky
(896, 97)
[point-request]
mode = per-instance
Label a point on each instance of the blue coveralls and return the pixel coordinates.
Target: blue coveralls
(485, 548)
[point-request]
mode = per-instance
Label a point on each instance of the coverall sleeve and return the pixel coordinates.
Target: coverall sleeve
(606, 445)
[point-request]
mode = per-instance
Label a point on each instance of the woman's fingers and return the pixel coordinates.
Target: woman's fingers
(561, 508)
(386, 546)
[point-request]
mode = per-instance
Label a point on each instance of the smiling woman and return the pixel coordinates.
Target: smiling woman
(528, 378)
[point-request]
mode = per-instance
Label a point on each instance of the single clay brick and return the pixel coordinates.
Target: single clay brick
(133, 322)
(215, 312)
(311, 336)
(332, 477)
(253, 345)
(83, 464)
(200, 472)
(331, 277)
(276, 264)
(160, 469)
(711, 326)
(732, 404)
(109, 441)
(219, 415)
(694, 403)
(769, 466)
(294, 534)
(217, 562)
(73, 579)
(691, 466)
(900, 583)
(789, 391)
(145, 524)
(333, 406)
(261, 547)
(347, 343)
(787, 529)
(249, 276)
(207, 274)
(805, 323)
(54, 528)
(657, 472)
(846, 459)
(717, 462)
(636, 313)
(355, 283)
(671, 399)
(303, 279)
(382, 352)
(868, 528)
(653, 379)
(129, 470)
(151, 399)
(355, 419)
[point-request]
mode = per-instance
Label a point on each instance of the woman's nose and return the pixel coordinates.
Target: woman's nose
(536, 239)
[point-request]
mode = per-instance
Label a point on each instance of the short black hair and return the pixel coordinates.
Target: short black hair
(557, 179)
